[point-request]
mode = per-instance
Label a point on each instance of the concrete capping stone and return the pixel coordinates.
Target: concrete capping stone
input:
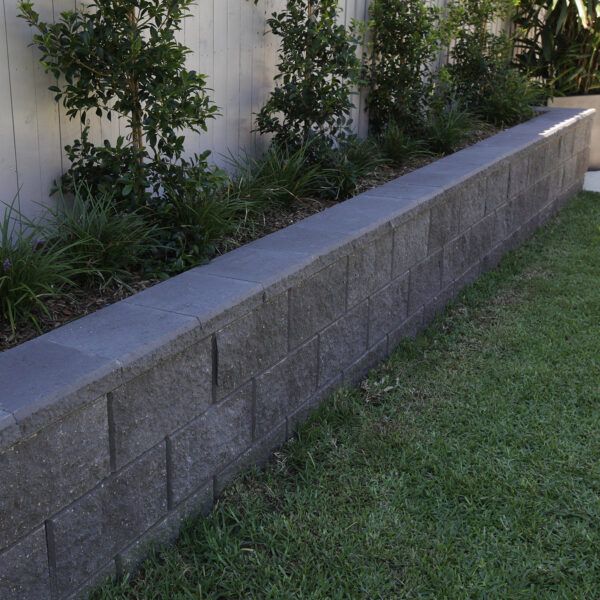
(117, 427)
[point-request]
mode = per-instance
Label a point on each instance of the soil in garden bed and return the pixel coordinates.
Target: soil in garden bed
(85, 301)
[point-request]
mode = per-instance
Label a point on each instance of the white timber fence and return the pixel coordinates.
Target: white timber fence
(229, 42)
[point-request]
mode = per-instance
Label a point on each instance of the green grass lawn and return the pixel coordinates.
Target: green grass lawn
(468, 466)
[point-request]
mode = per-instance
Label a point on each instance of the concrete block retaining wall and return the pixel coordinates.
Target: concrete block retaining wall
(116, 427)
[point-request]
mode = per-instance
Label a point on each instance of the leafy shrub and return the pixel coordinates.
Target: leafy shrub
(122, 57)
(405, 38)
(448, 125)
(31, 270)
(558, 41)
(317, 68)
(353, 160)
(278, 177)
(108, 244)
(399, 147)
(193, 216)
(481, 69)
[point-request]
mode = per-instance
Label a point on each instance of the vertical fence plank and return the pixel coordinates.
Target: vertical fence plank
(9, 183)
(22, 68)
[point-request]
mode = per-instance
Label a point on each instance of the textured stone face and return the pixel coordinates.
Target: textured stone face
(252, 344)
(519, 174)
(425, 281)
(411, 239)
(45, 472)
(317, 302)
(209, 443)
(445, 219)
(388, 308)
(87, 534)
(369, 268)
(154, 404)
(343, 342)
(24, 569)
(284, 387)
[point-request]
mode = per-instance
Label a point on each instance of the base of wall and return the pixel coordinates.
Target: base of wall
(117, 427)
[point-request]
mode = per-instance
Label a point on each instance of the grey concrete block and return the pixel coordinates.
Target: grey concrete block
(481, 238)
(469, 277)
(251, 344)
(369, 268)
(343, 342)
(166, 531)
(425, 281)
(24, 571)
(411, 240)
(567, 141)
(493, 257)
(88, 533)
(538, 196)
(519, 174)
(444, 173)
(356, 372)
(388, 308)
(438, 303)
(322, 244)
(214, 301)
(275, 270)
(363, 217)
(134, 337)
(496, 182)
(569, 173)
(317, 301)
(583, 162)
(159, 401)
(457, 257)
(581, 137)
(209, 443)
(296, 419)
(256, 456)
(9, 430)
(405, 197)
(408, 330)
(473, 201)
(284, 387)
(47, 471)
(537, 163)
(43, 381)
(552, 155)
(106, 574)
(445, 220)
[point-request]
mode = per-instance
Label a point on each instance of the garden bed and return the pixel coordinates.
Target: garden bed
(78, 302)
(117, 426)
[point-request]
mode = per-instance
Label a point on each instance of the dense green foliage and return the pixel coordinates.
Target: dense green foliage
(142, 205)
(317, 69)
(404, 38)
(104, 242)
(483, 77)
(33, 269)
(559, 41)
(122, 58)
(465, 467)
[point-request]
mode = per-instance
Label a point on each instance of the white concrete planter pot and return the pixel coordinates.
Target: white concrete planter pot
(587, 101)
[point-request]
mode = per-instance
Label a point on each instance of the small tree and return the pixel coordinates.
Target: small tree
(405, 39)
(318, 67)
(121, 56)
